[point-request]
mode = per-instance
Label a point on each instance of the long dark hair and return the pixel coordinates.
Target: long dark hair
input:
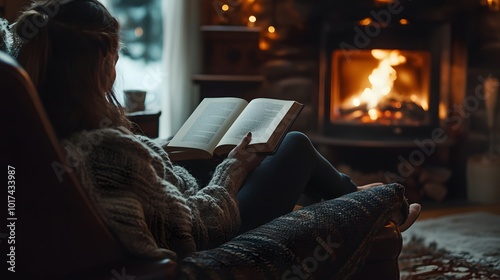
(69, 49)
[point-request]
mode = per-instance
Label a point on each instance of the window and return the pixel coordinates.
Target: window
(139, 66)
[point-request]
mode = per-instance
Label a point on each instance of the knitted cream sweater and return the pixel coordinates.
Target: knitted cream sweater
(153, 207)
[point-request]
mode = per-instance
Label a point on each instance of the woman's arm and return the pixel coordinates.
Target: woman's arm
(214, 208)
(215, 211)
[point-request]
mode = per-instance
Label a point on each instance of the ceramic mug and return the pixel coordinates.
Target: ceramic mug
(135, 100)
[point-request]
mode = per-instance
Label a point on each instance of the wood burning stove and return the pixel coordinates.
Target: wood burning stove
(383, 79)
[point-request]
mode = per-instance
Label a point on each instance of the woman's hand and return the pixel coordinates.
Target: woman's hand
(249, 158)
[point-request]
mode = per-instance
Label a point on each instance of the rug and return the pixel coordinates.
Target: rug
(461, 246)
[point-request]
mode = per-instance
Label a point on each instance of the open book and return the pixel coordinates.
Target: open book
(217, 125)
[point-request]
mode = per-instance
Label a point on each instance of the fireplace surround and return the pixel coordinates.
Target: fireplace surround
(383, 76)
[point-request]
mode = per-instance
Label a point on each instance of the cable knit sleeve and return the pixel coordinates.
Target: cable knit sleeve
(154, 207)
(214, 208)
(178, 176)
(120, 176)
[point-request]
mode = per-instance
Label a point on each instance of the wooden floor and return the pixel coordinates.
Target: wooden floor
(430, 210)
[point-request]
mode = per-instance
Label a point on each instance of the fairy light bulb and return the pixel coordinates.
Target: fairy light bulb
(365, 21)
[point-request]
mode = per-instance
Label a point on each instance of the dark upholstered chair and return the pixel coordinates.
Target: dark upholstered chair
(59, 234)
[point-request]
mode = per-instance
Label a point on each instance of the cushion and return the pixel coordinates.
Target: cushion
(327, 240)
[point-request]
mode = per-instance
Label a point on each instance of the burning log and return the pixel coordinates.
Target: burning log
(361, 108)
(408, 108)
(391, 109)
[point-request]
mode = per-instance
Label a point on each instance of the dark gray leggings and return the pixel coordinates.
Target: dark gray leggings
(274, 187)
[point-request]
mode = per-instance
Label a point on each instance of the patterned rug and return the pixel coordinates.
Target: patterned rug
(465, 246)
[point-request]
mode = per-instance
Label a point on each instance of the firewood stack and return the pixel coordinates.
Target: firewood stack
(433, 181)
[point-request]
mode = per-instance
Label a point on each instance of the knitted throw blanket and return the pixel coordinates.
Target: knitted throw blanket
(328, 240)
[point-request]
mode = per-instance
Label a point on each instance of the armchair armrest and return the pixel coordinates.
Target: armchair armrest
(382, 260)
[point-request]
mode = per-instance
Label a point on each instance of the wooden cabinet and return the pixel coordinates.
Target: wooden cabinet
(230, 50)
(145, 122)
(231, 62)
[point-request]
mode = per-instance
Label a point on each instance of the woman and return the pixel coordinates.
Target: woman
(155, 208)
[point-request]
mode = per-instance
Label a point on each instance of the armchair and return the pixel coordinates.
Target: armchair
(60, 235)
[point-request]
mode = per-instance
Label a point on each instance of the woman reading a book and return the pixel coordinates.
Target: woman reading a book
(154, 207)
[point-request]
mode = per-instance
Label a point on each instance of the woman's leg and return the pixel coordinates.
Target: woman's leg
(274, 187)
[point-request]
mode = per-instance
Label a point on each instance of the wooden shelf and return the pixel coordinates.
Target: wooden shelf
(203, 78)
(244, 86)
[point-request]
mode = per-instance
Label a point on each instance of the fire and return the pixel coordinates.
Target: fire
(394, 89)
(377, 96)
(382, 79)
(373, 113)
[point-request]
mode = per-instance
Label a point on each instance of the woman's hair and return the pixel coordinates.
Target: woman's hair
(69, 49)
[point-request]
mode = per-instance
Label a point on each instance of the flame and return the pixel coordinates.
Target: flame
(394, 90)
(381, 79)
(373, 113)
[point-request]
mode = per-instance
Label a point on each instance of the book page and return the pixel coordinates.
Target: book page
(207, 124)
(261, 117)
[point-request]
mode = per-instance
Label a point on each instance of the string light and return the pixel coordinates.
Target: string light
(403, 21)
(365, 21)
(263, 45)
(271, 29)
(225, 7)
(252, 19)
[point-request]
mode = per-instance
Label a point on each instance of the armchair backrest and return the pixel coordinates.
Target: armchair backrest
(56, 229)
